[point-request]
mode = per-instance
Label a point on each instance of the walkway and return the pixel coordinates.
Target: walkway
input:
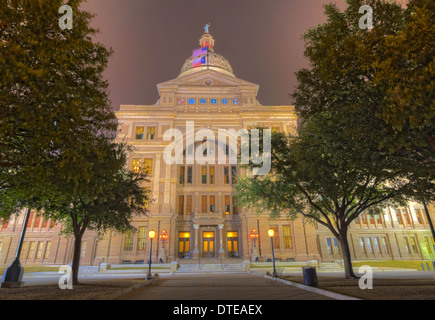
(220, 286)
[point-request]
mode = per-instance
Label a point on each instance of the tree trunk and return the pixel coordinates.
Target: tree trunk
(76, 259)
(347, 259)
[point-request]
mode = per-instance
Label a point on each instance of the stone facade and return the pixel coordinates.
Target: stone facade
(195, 205)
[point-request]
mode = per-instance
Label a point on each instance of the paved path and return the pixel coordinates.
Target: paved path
(220, 286)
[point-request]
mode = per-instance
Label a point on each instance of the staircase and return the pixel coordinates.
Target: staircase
(211, 266)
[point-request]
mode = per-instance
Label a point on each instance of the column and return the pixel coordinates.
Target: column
(221, 249)
(195, 252)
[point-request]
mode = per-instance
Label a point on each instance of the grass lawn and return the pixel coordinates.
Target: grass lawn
(33, 269)
(414, 264)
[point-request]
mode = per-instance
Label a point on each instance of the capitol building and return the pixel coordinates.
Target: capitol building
(193, 205)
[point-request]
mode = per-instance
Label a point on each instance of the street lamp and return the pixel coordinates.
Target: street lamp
(254, 235)
(151, 234)
(271, 233)
(164, 236)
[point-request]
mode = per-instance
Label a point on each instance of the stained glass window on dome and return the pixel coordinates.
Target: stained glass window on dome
(192, 101)
(224, 101)
(235, 101)
(213, 101)
(180, 101)
(202, 101)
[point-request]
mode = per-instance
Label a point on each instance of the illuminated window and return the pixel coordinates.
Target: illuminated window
(141, 238)
(148, 166)
(204, 175)
(287, 235)
(181, 176)
(212, 204)
(399, 216)
(406, 244)
(135, 165)
(128, 241)
(211, 175)
(151, 133)
(372, 219)
(47, 250)
(188, 204)
(39, 250)
(428, 245)
(363, 218)
(227, 205)
(31, 250)
(419, 216)
(29, 223)
(180, 205)
(44, 223)
(406, 215)
(139, 133)
(23, 250)
(378, 218)
(275, 129)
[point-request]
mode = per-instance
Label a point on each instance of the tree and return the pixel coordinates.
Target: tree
(52, 92)
(100, 195)
(330, 173)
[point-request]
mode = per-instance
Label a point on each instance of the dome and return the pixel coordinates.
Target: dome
(213, 60)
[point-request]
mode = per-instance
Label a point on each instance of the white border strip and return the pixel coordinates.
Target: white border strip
(313, 289)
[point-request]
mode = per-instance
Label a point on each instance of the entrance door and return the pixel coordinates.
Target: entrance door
(184, 245)
(232, 244)
(208, 244)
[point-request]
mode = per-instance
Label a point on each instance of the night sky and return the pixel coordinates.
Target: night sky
(152, 39)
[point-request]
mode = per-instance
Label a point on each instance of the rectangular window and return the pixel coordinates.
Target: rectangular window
(141, 238)
(227, 205)
(287, 235)
(369, 245)
(37, 220)
(189, 175)
(275, 129)
(203, 204)
(212, 204)
(406, 215)
(406, 244)
(376, 243)
(188, 204)
(363, 218)
(128, 241)
(23, 250)
(39, 250)
(399, 216)
(378, 218)
(31, 250)
(226, 175)
(29, 224)
(83, 250)
(419, 216)
(385, 245)
(372, 219)
(151, 133)
(336, 246)
(233, 174)
(148, 166)
(211, 175)
(414, 245)
(181, 176)
(135, 165)
(44, 223)
(428, 245)
(275, 237)
(180, 205)
(361, 244)
(204, 175)
(139, 133)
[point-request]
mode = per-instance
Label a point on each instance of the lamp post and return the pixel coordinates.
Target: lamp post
(254, 235)
(151, 234)
(271, 233)
(163, 236)
(13, 275)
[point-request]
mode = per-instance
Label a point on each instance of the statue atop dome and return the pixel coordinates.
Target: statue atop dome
(206, 27)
